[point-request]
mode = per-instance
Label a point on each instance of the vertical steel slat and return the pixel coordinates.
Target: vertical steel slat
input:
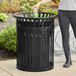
(43, 15)
(33, 49)
(42, 46)
(21, 44)
(52, 40)
(41, 49)
(26, 48)
(23, 48)
(50, 50)
(30, 49)
(47, 48)
(38, 48)
(18, 46)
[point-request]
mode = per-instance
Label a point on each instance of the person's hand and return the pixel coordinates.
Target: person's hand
(36, 6)
(57, 2)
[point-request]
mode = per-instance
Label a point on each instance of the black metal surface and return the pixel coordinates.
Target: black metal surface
(35, 43)
(41, 15)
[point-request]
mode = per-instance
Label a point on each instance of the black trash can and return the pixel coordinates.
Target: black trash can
(35, 41)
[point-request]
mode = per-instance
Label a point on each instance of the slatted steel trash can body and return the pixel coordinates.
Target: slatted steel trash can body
(35, 41)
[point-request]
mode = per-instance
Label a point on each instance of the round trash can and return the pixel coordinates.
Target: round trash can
(35, 41)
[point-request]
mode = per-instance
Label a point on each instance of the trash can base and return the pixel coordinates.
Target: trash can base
(35, 69)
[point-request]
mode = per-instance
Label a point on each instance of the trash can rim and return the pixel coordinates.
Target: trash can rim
(16, 16)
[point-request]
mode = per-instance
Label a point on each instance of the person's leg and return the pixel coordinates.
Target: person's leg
(73, 21)
(64, 27)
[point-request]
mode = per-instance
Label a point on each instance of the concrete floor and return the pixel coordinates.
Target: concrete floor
(8, 68)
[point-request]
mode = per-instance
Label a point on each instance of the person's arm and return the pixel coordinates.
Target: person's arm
(44, 2)
(41, 3)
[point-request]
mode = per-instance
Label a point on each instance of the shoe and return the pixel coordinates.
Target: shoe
(67, 64)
